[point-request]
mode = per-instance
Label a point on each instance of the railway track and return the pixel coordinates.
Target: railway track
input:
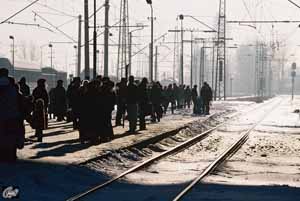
(183, 146)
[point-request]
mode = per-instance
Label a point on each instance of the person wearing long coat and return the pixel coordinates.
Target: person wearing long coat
(74, 100)
(90, 113)
(60, 101)
(108, 101)
(12, 130)
(156, 100)
(40, 92)
(206, 95)
(143, 102)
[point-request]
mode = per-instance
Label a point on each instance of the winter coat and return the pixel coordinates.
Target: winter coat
(206, 93)
(132, 94)
(60, 101)
(24, 89)
(12, 130)
(40, 92)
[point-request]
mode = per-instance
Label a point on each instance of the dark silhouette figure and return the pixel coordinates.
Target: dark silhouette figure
(40, 92)
(51, 104)
(194, 98)
(12, 129)
(73, 96)
(188, 97)
(24, 88)
(108, 100)
(60, 101)
(143, 103)
(121, 91)
(156, 100)
(206, 95)
(132, 104)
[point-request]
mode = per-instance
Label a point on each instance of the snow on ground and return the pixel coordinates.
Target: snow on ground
(45, 171)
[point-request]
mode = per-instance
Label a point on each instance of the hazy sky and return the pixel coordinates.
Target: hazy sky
(166, 12)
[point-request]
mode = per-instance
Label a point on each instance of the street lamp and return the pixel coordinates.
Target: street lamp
(151, 44)
(51, 55)
(13, 53)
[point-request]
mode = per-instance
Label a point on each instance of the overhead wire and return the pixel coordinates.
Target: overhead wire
(15, 14)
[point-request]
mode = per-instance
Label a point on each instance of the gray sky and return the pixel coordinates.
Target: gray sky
(165, 12)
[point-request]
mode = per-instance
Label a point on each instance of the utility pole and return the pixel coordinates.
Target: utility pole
(156, 64)
(130, 53)
(79, 47)
(123, 46)
(192, 57)
(181, 72)
(95, 43)
(86, 41)
(202, 64)
(106, 35)
(221, 50)
(213, 67)
(174, 55)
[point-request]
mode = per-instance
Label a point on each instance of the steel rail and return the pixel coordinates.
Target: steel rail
(148, 162)
(224, 156)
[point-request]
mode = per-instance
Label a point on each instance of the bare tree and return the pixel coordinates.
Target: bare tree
(33, 51)
(22, 53)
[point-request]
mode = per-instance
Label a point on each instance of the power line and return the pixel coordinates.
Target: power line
(19, 11)
(58, 11)
(97, 11)
(54, 27)
(29, 24)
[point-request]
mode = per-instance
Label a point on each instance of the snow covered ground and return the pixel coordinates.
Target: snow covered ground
(266, 168)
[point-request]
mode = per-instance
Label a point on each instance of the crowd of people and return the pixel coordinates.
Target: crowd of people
(89, 105)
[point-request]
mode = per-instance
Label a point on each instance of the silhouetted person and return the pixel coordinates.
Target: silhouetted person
(12, 129)
(206, 95)
(132, 104)
(24, 88)
(60, 101)
(176, 94)
(51, 103)
(188, 96)
(73, 95)
(171, 98)
(121, 92)
(143, 103)
(156, 99)
(194, 97)
(40, 92)
(108, 99)
(91, 113)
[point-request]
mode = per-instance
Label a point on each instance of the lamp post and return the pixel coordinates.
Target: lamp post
(51, 55)
(151, 44)
(13, 53)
